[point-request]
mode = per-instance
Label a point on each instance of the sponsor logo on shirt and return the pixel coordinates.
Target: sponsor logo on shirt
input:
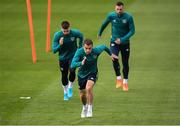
(114, 21)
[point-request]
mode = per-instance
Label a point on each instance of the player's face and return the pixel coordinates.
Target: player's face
(66, 31)
(119, 9)
(87, 48)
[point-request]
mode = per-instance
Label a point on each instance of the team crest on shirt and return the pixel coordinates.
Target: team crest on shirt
(114, 21)
(72, 38)
(94, 56)
(124, 21)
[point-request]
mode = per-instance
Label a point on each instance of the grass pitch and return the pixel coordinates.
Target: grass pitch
(154, 94)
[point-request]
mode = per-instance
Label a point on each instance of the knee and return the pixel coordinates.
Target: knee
(72, 71)
(88, 88)
(116, 62)
(64, 72)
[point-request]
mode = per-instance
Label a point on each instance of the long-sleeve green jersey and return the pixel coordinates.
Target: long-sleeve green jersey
(122, 26)
(69, 46)
(90, 65)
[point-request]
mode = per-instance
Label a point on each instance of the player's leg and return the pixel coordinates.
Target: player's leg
(64, 78)
(82, 93)
(83, 96)
(84, 101)
(125, 53)
(89, 93)
(115, 50)
(72, 76)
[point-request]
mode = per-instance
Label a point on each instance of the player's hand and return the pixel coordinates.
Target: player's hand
(118, 41)
(114, 57)
(83, 61)
(99, 37)
(61, 40)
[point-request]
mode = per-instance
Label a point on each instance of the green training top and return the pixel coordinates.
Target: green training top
(90, 65)
(122, 26)
(69, 46)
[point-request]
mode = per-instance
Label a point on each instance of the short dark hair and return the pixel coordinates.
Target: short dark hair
(119, 3)
(65, 24)
(88, 42)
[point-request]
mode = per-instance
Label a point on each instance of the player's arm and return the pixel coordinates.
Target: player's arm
(102, 48)
(80, 36)
(56, 45)
(104, 25)
(76, 60)
(131, 31)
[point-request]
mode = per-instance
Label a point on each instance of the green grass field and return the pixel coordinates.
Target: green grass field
(154, 82)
